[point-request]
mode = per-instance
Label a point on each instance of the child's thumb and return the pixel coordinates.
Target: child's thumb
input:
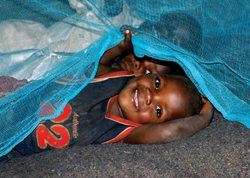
(128, 36)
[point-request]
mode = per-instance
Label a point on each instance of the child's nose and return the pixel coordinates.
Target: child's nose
(148, 96)
(137, 65)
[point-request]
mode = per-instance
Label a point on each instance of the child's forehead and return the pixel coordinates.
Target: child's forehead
(174, 80)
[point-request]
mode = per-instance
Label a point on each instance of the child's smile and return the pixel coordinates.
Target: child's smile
(152, 98)
(135, 99)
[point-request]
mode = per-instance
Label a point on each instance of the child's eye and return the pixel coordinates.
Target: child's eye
(157, 83)
(158, 111)
(148, 72)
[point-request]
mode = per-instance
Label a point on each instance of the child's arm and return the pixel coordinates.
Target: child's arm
(110, 55)
(172, 130)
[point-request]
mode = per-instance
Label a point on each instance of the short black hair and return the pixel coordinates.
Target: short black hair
(194, 100)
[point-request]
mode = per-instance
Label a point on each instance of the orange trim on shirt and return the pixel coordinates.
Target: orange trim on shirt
(112, 117)
(116, 74)
(116, 118)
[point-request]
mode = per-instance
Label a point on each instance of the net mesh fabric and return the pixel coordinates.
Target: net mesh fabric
(50, 42)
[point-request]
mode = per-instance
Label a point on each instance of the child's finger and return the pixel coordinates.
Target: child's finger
(127, 37)
(204, 99)
(207, 107)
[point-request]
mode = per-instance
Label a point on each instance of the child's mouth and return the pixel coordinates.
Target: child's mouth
(136, 99)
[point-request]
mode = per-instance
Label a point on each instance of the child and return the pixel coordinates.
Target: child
(116, 107)
(139, 66)
(178, 28)
(149, 109)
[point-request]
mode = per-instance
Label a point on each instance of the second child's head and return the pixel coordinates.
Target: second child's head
(159, 98)
(178, 28)
(148, 66)
(142, 66)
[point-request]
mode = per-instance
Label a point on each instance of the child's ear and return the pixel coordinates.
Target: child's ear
(203, 99)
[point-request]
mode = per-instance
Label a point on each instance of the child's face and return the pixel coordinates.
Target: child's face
(149, 67)
(153, 98)
(129, 63)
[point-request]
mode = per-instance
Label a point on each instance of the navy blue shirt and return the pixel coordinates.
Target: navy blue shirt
(84, 120)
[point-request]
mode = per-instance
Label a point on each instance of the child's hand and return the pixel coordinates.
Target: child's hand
(108, 58)
(126, 44)
(207, 110)
(172, 130)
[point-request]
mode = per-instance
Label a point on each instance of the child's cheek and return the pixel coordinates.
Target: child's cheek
(146, 117)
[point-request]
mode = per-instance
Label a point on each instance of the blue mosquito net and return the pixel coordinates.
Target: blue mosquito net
(46, 42)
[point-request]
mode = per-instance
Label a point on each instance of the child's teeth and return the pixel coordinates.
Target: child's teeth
(136, 99)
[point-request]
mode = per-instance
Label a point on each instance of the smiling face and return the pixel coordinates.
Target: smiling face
(153, 98)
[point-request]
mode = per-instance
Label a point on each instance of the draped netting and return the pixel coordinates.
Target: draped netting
(48, 42)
